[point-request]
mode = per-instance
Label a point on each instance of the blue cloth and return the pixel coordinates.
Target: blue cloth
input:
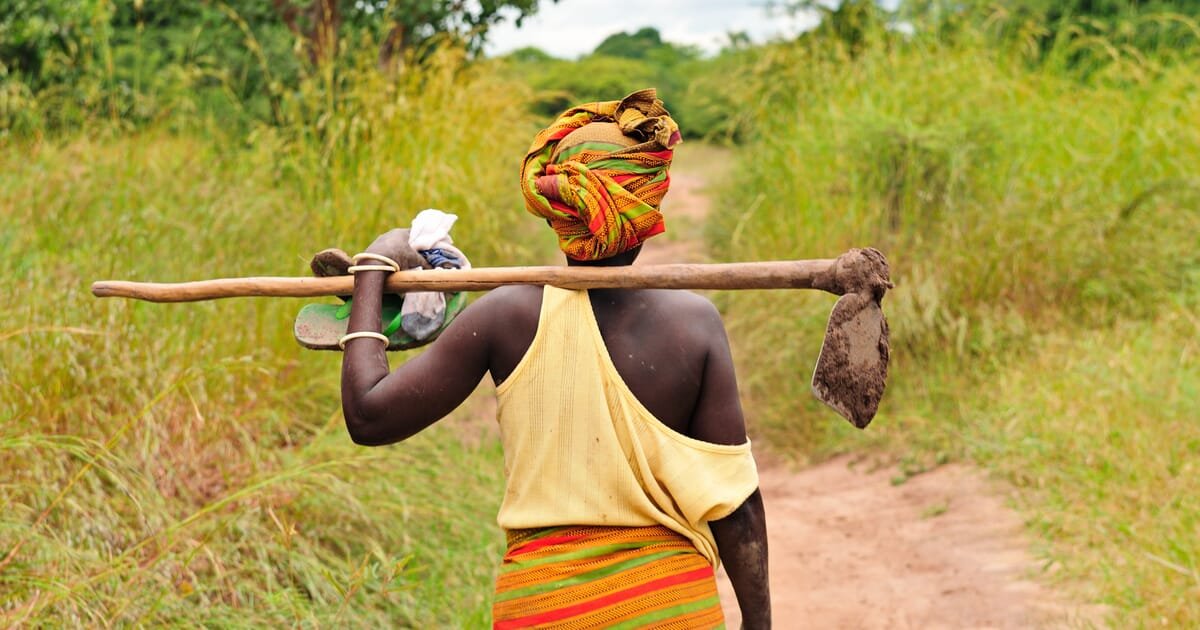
(439, 258)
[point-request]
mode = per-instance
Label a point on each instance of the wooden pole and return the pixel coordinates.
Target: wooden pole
(784, 274)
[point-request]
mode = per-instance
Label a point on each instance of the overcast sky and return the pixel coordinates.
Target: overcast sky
(570, 28)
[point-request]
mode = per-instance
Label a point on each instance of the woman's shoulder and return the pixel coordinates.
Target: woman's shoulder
(687, 306)
(511, 301)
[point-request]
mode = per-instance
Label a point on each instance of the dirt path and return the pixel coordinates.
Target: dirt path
(851, 550)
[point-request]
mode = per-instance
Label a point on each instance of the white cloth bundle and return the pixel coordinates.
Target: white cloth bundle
(423, 313)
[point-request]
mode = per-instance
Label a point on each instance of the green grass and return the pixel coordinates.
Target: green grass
(176, 464)
(1043, 237)
(1098, 431)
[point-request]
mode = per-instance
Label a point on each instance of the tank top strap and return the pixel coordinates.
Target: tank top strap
(564, 342)
(555, 300)
(567, 318)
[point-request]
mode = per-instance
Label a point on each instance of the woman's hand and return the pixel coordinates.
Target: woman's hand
(394, 245)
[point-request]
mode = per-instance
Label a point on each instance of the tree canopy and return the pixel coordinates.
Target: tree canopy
(42, 40)
(135, 58)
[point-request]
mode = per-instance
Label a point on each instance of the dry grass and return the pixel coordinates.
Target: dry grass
(175, 464)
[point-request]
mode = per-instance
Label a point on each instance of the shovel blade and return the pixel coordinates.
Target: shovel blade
(851, 371)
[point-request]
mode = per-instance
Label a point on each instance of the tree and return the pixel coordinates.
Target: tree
(315, 23)
(397, 24)
(622, 63)
(403, 24)
(34, 32)
(593, 78)
(52, 41)
(636, 45)
(137, 57)
(853, 23)
(530, 55)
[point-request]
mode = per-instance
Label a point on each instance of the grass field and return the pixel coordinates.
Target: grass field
(1043, 236)
(178, 458)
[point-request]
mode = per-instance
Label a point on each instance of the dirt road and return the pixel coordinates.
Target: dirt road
(850, 550)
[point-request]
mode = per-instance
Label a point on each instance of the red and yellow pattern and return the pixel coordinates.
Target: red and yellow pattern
(605, 577)
(601, 201)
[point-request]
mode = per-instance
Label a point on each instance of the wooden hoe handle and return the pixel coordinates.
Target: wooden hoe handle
(851, 371)
(784, 274)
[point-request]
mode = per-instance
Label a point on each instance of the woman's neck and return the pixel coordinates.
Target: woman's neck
(623, 259)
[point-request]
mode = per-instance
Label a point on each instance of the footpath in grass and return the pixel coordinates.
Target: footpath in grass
(941, 549)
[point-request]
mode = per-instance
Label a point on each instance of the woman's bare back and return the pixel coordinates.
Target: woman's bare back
(661, 343)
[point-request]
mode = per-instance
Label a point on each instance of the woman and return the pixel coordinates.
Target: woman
(629, 475)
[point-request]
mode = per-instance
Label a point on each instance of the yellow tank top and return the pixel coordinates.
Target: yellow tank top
(580, 449)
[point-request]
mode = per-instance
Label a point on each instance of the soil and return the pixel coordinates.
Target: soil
(849, 549)
(852, 368)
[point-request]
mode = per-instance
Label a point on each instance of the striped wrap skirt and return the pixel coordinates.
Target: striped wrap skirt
(605, 577)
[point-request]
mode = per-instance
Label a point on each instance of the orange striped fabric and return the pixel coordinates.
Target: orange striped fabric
(605, 577)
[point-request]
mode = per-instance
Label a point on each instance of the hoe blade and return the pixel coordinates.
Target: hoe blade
(852, 369)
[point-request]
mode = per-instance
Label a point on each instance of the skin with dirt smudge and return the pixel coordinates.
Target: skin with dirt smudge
(742, 540)
(669, 347)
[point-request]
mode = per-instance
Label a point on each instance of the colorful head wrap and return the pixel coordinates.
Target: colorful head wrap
(602, 198)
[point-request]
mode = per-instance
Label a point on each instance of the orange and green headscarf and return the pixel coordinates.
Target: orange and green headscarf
(602, 199)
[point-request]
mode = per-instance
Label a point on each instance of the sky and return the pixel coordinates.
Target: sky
(570, 28)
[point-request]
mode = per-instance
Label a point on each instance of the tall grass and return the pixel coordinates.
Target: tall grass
(1043, 233)
(168, 465)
